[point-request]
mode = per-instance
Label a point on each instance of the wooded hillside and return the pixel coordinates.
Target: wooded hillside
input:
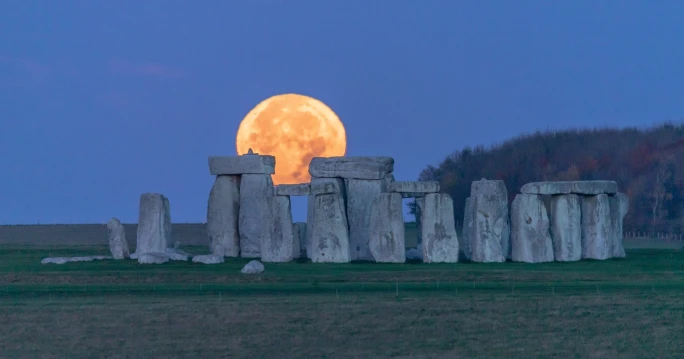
(648, 165)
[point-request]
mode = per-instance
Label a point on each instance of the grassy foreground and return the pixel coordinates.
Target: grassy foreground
(631, 308)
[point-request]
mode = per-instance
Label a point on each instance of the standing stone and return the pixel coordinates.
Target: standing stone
(566, 227)
(488, 225)
(619, 205)
(310, 204)
(387, 243)
(296, 241)
(597, 240)
(360, 194)
(467, 229)
(330, 234)
(154, 223)
(420, 203)
(300, 232)
(117, 239)
(222, 216)
(255, 217)
(440, 243)
(496, 188)
(280, 246)
(530, 237)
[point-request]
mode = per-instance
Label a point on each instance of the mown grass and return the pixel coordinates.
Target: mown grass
(629, 308)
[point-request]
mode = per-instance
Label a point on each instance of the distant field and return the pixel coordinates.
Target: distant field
(630, 308)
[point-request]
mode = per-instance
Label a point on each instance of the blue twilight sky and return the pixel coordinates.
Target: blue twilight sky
(101, 101)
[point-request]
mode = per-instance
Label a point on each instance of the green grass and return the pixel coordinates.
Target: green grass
(629, 308)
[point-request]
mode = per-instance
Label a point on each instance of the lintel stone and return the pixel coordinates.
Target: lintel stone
(360, 167)
(570, 187)
(301, 189)
(415, 187)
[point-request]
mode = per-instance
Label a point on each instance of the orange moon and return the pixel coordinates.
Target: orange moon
(293, 128)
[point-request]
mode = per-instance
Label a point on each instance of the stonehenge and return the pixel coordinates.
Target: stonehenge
(117, 239)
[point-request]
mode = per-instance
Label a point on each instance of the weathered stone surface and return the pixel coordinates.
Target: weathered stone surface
(177, 255)
(238, 165)
(619, 205)
(330, 234)
(310, 202)
(566, 227)
(117, 239)
(253, 267)
(496, 188)
(420, 203)
(63, 260)
(468, 228)
(297, 241)
(255, 217)
(153, 258)
(208, 259)
(530, 236)
(414, 254)
(154, 224)
(568, 187)
(415, 187)
(280, 246)
(489, 220)
(351, 167)
(360, 194)
(387, 243)
(597, 241)
(299, 229)
(301, 189)
(222, 216)
(440, 243)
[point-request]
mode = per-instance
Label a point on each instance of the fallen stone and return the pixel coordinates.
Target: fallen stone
(177, 251)
(133, 256)
(489, 220)
(440, 243)
(566, 227)
(359, 195)
(619, 205)
(530, 236)
(330, 236)
(239, 165)
(153, 258)
(302, 189)
(413, 188)
(495, 188)
(299, 229)
(597, 239)
(568, 187)
(468, 228)
(387, 243)
(208, 259)
(117, 239)
(414, 254)
(63, 260)
(280, 246)
(351, 167)
(253, 267)
(222, 216)
(255, 223)
(154, 224)
(174, 256)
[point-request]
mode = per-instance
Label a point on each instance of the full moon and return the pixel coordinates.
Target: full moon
(293, 128)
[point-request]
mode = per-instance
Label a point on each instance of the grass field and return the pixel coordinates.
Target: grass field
(632, 308)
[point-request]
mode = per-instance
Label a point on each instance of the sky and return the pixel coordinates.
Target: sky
(101, 101)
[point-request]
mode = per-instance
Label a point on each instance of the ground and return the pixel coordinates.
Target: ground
(630, 308)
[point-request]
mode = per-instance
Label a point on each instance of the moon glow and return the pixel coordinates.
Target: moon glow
(293, 128)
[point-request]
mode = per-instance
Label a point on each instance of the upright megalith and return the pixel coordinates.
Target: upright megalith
(489, 220)
(360, 194)
(330, 234)
(255, 220)
(566, 227)
(440, 243)
(280, 245)
(530, 235)
(619, 205)
(420, 203)
(222, 216)
(597, 239)
(117, 239)
(467, 229)
(154, 224)
(301, 229)
(387, 244)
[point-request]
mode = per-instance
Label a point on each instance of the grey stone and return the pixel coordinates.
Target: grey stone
(414, 254)
(330, 234)
(415, 187)
(177, 255)
(153, 224)
(208, 259)
(496, 188)
(387, 243)
(440, 243)
(255, 218)
(566, 227)
(489, 220)
(568, 187)
(238, 165)
(222, 216)
(359, 194)
(117, 239)
(301, 229)
(253, 267)
(597, 241)
(310, 203)
(280, 246)
(167, 220)
(619, 205)
(153, 258)
(468, 228)
(351, 167)
(530, 237)
(420, 203)
(63, 260)
(297, 241)
(302, 189)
